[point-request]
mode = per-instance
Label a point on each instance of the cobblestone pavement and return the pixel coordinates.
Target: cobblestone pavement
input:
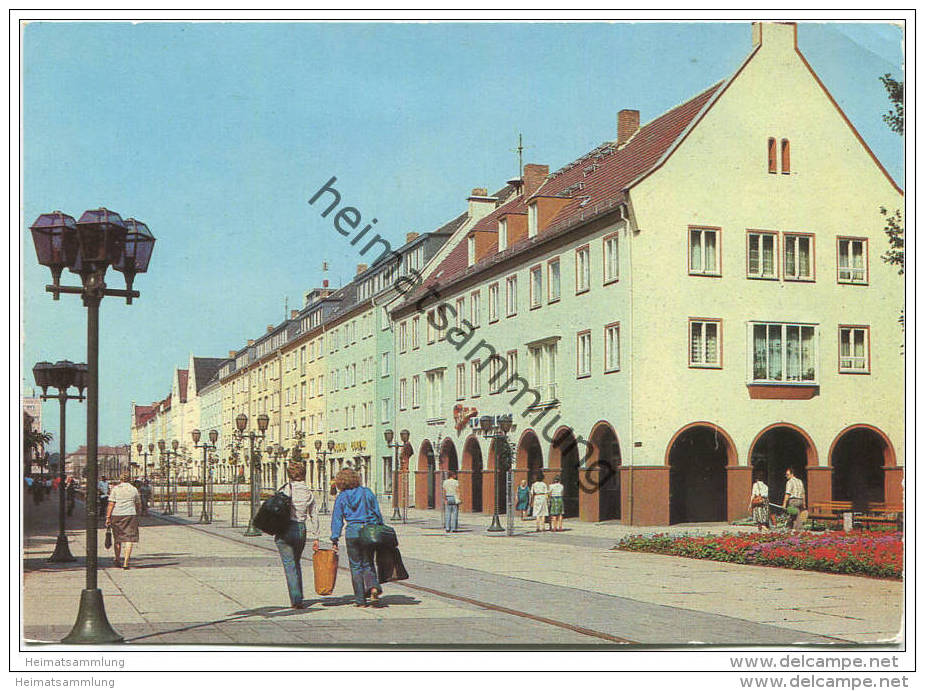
(210, 585)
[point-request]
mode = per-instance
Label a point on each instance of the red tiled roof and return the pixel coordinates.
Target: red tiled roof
(595, 183)
(144, 413)
(183, 375)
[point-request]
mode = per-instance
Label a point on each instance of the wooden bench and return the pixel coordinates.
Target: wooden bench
(876, 512)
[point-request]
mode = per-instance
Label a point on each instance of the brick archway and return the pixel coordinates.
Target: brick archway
(818, 479)
(602, 478)
(425, 476)
(703, 479)
(884, 481)
(470, 476)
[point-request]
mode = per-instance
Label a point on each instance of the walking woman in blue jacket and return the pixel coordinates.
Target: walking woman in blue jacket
(356, 506)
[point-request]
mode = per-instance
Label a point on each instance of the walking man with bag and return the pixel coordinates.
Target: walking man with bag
(291, 542)
(794, 501)
(451, 495)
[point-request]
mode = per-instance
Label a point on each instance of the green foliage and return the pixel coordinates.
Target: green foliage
(894, 230)
(896, 118)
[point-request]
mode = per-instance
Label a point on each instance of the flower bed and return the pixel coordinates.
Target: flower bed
(878, 554)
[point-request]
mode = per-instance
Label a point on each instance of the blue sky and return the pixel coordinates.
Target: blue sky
(217, 134)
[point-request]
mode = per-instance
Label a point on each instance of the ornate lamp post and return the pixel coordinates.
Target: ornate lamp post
(162, 445)
(141, 452)
(325, 489)
(404, 435)
(263, 421)
(62, 375)
(88, 247)
(204, 517)
(498, 432)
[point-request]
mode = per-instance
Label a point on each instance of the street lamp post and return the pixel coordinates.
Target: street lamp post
(141, 452)
(61, 376)
(88, 247)
(263, 421)
(325, 490)
(396, 474)
(170, 507)
(204, 517)
(499, 432)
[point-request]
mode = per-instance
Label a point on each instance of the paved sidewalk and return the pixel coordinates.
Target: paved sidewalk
(211, 585)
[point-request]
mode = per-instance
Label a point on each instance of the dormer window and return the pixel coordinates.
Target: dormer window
(531, 221)
(471, 241)
(502, 235)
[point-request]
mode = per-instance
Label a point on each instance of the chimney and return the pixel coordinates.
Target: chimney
(627, 124)
(480, 204)
(775, 35)
(232, 353)
(293, 314)
(270, 327)
(361, 268)
(534, 176)
(324, 283)
(412, 236)
(250, 341)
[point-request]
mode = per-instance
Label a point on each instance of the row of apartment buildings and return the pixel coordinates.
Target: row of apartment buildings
(697, 300)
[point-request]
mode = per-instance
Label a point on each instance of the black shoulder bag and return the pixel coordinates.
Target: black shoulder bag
(274, 514)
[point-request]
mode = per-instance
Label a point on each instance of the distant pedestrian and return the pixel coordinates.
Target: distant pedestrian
(70, 493)
(556, 505)
(761, 510)
(291, 542)
(102, 494)
(145, 492)
(451, 495)
(794, 501)
(523, 500)
(122, 516)
(356, 506)
(539, 495)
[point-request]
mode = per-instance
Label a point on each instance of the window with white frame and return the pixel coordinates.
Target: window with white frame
(471, 249)
(386, 370)
(853, 349)
(511, 369)
(703, 251)
(532, 221)
(493, 299)
(460, 381)
(511, 295)
(612, 347)
(583, 355)
(384, 409)
(536, 287)
(476, 383)
(442, 322)
(543, 358)
(495, 380)
(416, 332)
(611, 258)
(403, 337)
(460, 311)
(582, 269)
(475, 308)
(704, 343)
(302, 395)
(353, 374)
(783, 352)
(555, 285)
(434, 393)
(402, 394)
(431, 330)
(852, 260)
(762, 255)
(502, 235)
(416, 391)
(798, 257)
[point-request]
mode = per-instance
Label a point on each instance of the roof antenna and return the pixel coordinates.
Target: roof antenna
(520, 154)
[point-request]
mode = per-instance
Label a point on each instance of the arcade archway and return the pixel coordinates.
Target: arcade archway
(697, 462)
(607, 460)
(777, 448)
(472, 462)
(564, 461)
(858, 458)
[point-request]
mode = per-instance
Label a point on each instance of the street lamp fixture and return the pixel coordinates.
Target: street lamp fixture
(325, 489)
(61, 376)
(404, 435)
(263, 421)
(498, 429)
(88, 247)
(204, 517)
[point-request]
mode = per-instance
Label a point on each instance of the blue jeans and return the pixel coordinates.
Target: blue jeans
(362, 570)
(452, 517)
(290, 544)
